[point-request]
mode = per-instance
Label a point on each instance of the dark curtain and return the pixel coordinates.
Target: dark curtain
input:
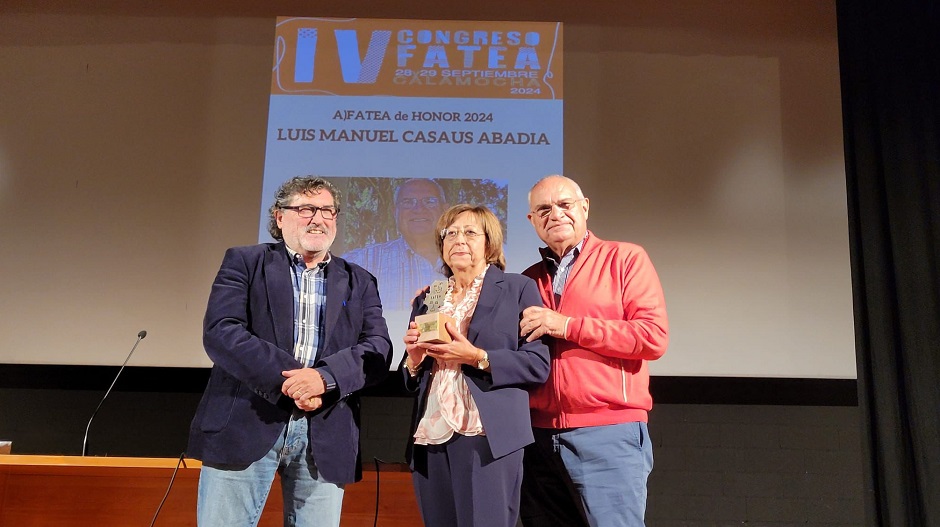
(889, 55)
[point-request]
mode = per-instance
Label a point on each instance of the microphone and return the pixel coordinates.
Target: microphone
(140, 337)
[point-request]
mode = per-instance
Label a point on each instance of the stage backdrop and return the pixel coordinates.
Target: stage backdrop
(710, 136)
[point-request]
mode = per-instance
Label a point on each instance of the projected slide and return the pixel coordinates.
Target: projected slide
(388, 227)
(409, 117)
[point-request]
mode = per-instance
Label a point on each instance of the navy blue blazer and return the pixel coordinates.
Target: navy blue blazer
(500, 394)
(249, 335)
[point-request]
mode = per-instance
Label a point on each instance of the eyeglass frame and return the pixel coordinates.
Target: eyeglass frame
(545, 211)
(427, 202)
(468, 234)
(301, 210)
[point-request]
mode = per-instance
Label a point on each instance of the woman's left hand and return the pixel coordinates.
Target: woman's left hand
(457, 350)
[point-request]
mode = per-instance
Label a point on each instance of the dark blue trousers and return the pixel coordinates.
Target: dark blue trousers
(459, 484)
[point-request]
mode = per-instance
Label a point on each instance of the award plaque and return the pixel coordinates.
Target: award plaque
(431, 324)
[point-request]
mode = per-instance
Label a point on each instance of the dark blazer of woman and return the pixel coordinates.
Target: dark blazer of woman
(500, 394)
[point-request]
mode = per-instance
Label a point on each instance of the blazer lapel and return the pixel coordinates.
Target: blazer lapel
(337, 292)
(280, 291)
(490, 295)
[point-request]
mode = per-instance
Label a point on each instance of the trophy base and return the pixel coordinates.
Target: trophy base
(432, 328)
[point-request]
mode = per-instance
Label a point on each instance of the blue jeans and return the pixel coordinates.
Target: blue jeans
(587, 476)
(234, 496)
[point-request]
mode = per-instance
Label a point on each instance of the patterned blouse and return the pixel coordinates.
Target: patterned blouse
(450, 407)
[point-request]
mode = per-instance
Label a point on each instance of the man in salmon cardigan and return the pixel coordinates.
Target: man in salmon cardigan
(605, 317)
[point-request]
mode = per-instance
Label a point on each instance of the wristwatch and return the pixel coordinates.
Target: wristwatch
(484, 361)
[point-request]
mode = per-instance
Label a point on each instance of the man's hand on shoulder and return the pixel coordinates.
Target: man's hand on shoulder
(418, 293)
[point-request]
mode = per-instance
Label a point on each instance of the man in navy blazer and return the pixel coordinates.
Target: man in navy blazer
(293, 333)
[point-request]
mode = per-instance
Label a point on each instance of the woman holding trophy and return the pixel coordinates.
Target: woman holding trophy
(470, 368)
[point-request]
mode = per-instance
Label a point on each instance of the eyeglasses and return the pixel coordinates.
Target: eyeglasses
(412, 203)
(308, 211)
(468, 234)
(543, 211)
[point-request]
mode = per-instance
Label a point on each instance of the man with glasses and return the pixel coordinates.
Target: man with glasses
(293, 333)
(410, 262)
(604, 318)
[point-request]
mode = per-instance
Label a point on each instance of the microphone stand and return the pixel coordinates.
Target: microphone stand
(140, 337)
